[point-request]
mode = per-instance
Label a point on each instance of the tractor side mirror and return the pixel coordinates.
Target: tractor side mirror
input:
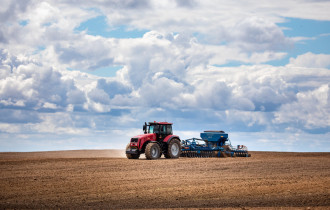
(145, 128)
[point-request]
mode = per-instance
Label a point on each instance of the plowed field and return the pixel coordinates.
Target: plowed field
(106, 179)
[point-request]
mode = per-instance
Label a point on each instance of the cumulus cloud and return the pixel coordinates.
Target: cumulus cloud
(13, 9)
(27, 85)
(161, 92)
(253, 27)
(18, 116)
(260, 88)
(311, 60)
(34, 87)
(309, 110)
(255, 33)
(113, 87)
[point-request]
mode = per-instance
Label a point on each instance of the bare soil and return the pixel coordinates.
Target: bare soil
(106, 179)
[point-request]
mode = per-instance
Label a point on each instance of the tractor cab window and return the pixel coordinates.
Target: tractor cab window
(169, 129)
(160, 129)
(166, 129)
(153, 129)
(163, 129)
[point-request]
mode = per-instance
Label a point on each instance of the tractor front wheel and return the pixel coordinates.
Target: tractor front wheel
(173, 149)
(153, 151)
(131, 156)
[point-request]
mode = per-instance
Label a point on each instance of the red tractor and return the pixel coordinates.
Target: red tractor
(157, 139)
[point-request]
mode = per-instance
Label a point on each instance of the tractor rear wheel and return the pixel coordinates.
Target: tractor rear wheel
(173, 149)
(131, 156)
(153, 151)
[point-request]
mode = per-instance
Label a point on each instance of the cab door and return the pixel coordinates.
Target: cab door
(163, 132)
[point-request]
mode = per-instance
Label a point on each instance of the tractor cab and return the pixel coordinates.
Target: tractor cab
(161, 129)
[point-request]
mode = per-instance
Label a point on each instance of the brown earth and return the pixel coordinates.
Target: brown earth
(105, 179)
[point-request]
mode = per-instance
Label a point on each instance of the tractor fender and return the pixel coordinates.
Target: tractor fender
(169, 138)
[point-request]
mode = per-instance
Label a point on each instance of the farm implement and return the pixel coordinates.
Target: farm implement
(212, 144)
(158, 139)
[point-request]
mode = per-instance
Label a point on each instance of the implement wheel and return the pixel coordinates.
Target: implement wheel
(173, 149)
(153, 151)
(131, 156)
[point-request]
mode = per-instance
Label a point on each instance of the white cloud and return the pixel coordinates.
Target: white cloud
(161, 92)
(311, 60)
(227, 20)
(245, 87)
(32, 86)
(310, 110)
(255, 33)
(51, 26)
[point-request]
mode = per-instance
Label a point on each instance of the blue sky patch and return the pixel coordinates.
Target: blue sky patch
(109, 71)
(98, 27)
(315, 38)
(294, 27)
(39, 49)
(232, 64)
(23, 22)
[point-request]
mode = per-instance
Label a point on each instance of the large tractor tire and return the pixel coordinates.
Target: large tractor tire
(131, 156)
(173, 149)
(153, 151)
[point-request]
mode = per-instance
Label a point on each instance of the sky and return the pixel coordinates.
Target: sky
(88, 75)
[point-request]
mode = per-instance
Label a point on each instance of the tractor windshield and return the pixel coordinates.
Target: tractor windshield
(153, 129)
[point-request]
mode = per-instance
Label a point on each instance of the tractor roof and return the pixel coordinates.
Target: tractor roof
(160, 123)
